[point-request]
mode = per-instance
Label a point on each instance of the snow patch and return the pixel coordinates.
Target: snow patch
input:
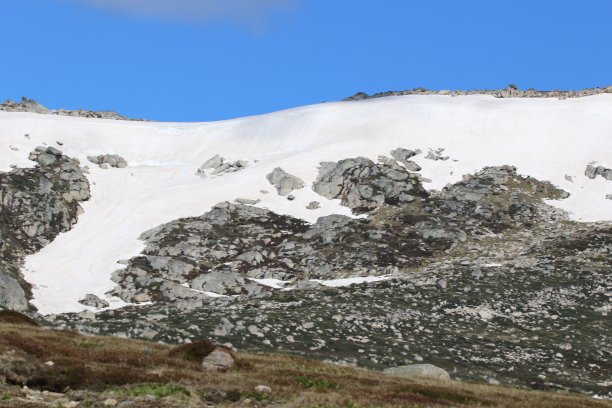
(544, 138)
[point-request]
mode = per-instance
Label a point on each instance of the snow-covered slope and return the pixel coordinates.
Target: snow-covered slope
(545, 138)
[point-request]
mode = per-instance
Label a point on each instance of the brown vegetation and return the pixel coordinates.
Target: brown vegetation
(122, 369)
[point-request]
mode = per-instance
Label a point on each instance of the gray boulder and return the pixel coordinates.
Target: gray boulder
(220, 359)
(222, 282)
(284, 182)
(403, 155)
(93, 301)
(12, 295)
(108, 160)
(213, 163)
(247, 201)
(218, 165)
(593, 171)
(419, 371)
(436, 155)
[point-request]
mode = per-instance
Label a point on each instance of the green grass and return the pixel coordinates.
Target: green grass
(254, 395)
(316, 383)
(157, 390)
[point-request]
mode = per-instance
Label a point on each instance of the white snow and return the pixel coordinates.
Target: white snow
(545, 138)
(272, 283)
(210, 294)
(336, 283)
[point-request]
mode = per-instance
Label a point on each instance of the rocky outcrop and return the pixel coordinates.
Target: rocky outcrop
(30, 105)
(36, 204)
(497, 198)
(511, 91)
(593, 171)
(218, 165)
(224, 249)
(284, 182)
(108, 160)
(365, 186)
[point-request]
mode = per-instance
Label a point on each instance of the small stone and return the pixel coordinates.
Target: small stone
(110, 402)
(263, 389)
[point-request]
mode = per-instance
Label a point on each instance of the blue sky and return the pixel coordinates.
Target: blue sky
(203, 60)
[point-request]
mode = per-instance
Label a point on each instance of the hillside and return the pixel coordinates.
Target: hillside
(104, 371)
(470, 232)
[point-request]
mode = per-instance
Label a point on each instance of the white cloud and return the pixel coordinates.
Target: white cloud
(196, 11)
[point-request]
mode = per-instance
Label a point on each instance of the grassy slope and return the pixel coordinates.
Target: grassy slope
(107, 367)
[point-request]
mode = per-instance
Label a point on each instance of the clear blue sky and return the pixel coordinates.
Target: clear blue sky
(203, 60)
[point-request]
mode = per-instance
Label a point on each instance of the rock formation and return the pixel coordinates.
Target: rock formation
(218, 165)
(284, 182)
(30, 105)
(36, 205)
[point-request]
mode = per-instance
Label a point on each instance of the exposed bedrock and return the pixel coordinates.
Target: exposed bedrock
(223, 250)
(36, 205)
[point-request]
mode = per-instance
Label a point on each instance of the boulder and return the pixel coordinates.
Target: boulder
(222, 282)
(436, 155)
(593, 171)
(247, 201)
(12, 295)
(419, 371)
(108, 160)
(284, 182)
(403, 156)
(220, 359)
(93, 301)
(218, 165)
